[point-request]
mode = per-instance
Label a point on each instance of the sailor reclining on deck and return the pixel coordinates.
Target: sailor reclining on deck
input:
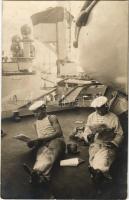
(50, 143)
(104, 134)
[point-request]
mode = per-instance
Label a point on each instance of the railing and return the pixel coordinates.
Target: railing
(15, 73)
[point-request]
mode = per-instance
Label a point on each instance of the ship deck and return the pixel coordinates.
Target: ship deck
(67, 182)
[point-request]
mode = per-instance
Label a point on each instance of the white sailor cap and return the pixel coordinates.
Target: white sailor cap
(99, 102)
(36, 105)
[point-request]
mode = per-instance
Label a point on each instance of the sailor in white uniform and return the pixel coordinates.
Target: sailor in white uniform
(104, 134)
(50, 143)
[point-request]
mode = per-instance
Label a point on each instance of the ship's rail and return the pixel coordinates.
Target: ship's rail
(15, 73)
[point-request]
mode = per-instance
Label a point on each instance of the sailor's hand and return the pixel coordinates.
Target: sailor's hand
(111, 145)
(83, 142)
(32, 143)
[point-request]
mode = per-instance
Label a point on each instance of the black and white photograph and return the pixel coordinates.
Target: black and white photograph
(64, 99)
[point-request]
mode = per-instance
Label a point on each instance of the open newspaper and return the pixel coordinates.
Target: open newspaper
(22, 137)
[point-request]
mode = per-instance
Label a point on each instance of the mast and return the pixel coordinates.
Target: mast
(60, 39)
(69, 45)
(57, 51)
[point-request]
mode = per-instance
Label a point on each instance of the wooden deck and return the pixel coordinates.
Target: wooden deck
(67, 182)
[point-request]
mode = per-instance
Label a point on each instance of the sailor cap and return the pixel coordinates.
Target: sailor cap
(36, 105)
(99, 102)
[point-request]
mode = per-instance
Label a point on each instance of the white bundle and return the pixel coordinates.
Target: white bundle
(73, 162)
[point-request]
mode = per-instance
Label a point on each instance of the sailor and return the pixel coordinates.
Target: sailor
(104, 134)
(50, 144)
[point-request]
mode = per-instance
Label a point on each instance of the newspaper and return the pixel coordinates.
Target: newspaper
(22, 137)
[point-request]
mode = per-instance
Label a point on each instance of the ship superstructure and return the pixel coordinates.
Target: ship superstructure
(21, 81)
(70, 100)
